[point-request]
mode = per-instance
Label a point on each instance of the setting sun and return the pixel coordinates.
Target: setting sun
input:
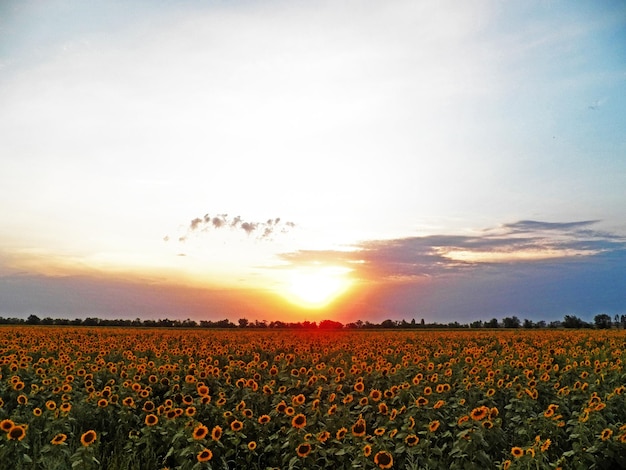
(316, 287)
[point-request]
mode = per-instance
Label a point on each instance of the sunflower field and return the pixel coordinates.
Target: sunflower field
(107, 398)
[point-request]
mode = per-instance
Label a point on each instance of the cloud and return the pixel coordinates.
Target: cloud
(511, 244)
(533, 269)
(206, 223)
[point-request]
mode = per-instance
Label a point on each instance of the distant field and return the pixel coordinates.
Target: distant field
(188, 399)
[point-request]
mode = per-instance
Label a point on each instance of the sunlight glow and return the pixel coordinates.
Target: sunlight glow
(316, 287)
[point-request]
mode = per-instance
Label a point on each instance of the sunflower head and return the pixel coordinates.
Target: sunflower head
(88, 438)
(303, 449)
(383, 459)
(204, 455)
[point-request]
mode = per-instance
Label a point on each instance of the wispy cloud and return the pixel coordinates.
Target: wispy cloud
(525, 241)
(262, 230)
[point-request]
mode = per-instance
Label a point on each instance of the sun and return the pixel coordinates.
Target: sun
(316, 287)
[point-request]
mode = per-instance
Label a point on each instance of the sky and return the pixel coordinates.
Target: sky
(308, 160)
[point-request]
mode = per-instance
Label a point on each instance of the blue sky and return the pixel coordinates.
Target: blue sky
(442, 160)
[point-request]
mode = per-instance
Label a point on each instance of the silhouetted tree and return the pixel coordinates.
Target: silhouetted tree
(602, 321)
(572, 321)
(493, 323)
(511, 322)
(330, 325)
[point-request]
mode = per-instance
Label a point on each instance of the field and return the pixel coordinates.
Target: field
(192, 399)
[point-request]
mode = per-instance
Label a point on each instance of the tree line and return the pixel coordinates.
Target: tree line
(600, 321)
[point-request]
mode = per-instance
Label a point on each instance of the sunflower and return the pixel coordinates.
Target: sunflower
(517, 452)
(433, 426)
(187, 400)
(379, 431)
(411, 422)
(65, 407)
(252, 446)
(323, 436)
(480, 413)
(264, 419)
(151, 420)
(58, 439)
(200, 432)
(375, 395)
(546, 445)
(128, 401)
(204, 455)
(332, 410)
(303, 449)
(22, 399)
(103, 403)
(411, 440)
(367, 450)
(606, 434)
(88, 438)
(358, 429)
(383, 459)
(37, 412)
(236, 425)
(298, 421)
(421, 401)
(359, 387)
(17, 432)
(148, 406)
(216, 433)
(341, 433)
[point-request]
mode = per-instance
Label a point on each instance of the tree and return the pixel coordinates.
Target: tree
(528, 323)
(33, 320)
(511, 322)
(572, 321)
(243, 322)
(602, 321)
(493, 323)
(330, 325)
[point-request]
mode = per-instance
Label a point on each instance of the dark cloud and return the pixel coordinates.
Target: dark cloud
(264, 230)
(537, 270)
